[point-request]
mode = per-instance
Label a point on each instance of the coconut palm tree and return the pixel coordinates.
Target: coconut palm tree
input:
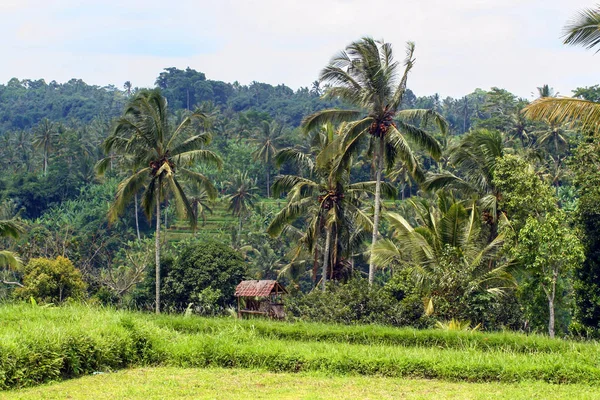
(127, 86)
(444, 251)
(267, 138)
(366, 76)
(242, 198)
(583, 30)
(327, 200)
(45, 136)
(200, 201)
(475, 159)
(163, 155)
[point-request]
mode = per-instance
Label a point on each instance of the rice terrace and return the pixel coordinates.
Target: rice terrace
(409, 218)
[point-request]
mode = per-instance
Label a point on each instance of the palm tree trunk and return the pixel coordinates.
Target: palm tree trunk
(326, 258)
(268, 183)
(239, 235)
(377, 208)
(157, 251)
(137, 223)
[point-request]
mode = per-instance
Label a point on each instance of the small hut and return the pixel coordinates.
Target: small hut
(260, 298)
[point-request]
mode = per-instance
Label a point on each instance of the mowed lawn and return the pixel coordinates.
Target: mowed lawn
(216, 383)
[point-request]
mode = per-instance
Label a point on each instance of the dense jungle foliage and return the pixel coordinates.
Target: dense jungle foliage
(370, 203)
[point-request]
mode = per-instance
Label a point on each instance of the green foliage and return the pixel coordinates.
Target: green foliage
(524, 194)
(356, 303)
(51, 281)
(203, 273)
(48, 344)
(586, 165)
(549, 252)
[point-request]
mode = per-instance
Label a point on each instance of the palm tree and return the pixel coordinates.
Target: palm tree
(475, 159)
(444, 251)
(45, 137)
(242, 198)
(584, 30)
(267, 138)
(162, 155)
(8, 259)
(127, 86)
(366, 76)
(200, 201)
(327, 200)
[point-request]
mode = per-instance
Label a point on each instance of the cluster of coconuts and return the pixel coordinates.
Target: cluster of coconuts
(329, 199)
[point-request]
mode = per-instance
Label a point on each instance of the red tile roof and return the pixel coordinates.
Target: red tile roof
(257, 288)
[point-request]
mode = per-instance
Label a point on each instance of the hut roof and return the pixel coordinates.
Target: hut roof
(258, 288)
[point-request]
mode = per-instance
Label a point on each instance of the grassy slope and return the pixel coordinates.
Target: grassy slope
(178, 383)
(39, 345)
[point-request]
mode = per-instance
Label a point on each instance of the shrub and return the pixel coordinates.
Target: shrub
(51, 281)
(356, 303)
(205, 274)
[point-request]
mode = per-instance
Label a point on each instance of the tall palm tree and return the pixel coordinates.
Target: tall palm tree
(162, 155)
(127, 86)
(583, 30)
(242, 198)
(200, 201)
(327, 200)
(45, 135)
(267, 138)
(444, 252)
(365, 75)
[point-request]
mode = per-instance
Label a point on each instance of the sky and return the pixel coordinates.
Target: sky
(460, 44)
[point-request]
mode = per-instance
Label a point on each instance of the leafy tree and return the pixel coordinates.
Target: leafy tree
(586, 165)
(365, 75)
(550, 252)
(51, 281)
(144, 133)
(205, 274)
(524, 194)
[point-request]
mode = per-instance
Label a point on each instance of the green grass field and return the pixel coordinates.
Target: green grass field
(180, 383)
(40, 345)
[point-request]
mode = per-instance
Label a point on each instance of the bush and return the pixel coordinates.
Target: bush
(356, 303)
(51, 281)
(204, 274)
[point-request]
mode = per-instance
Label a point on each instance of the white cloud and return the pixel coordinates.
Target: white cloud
(461, 44)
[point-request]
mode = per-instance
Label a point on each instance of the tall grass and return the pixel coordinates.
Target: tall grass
(39, 345)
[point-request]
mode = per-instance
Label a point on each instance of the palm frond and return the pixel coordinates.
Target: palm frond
(583, 113)
(11, 227)
(128, 188)
(193, 143)
(333, 116)
(10, 260)
(422, 138)
(584, 29)
(203, 156)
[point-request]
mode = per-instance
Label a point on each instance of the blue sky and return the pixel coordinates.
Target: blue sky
(461, 44)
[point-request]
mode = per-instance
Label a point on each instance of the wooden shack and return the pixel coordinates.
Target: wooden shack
(260, 298)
